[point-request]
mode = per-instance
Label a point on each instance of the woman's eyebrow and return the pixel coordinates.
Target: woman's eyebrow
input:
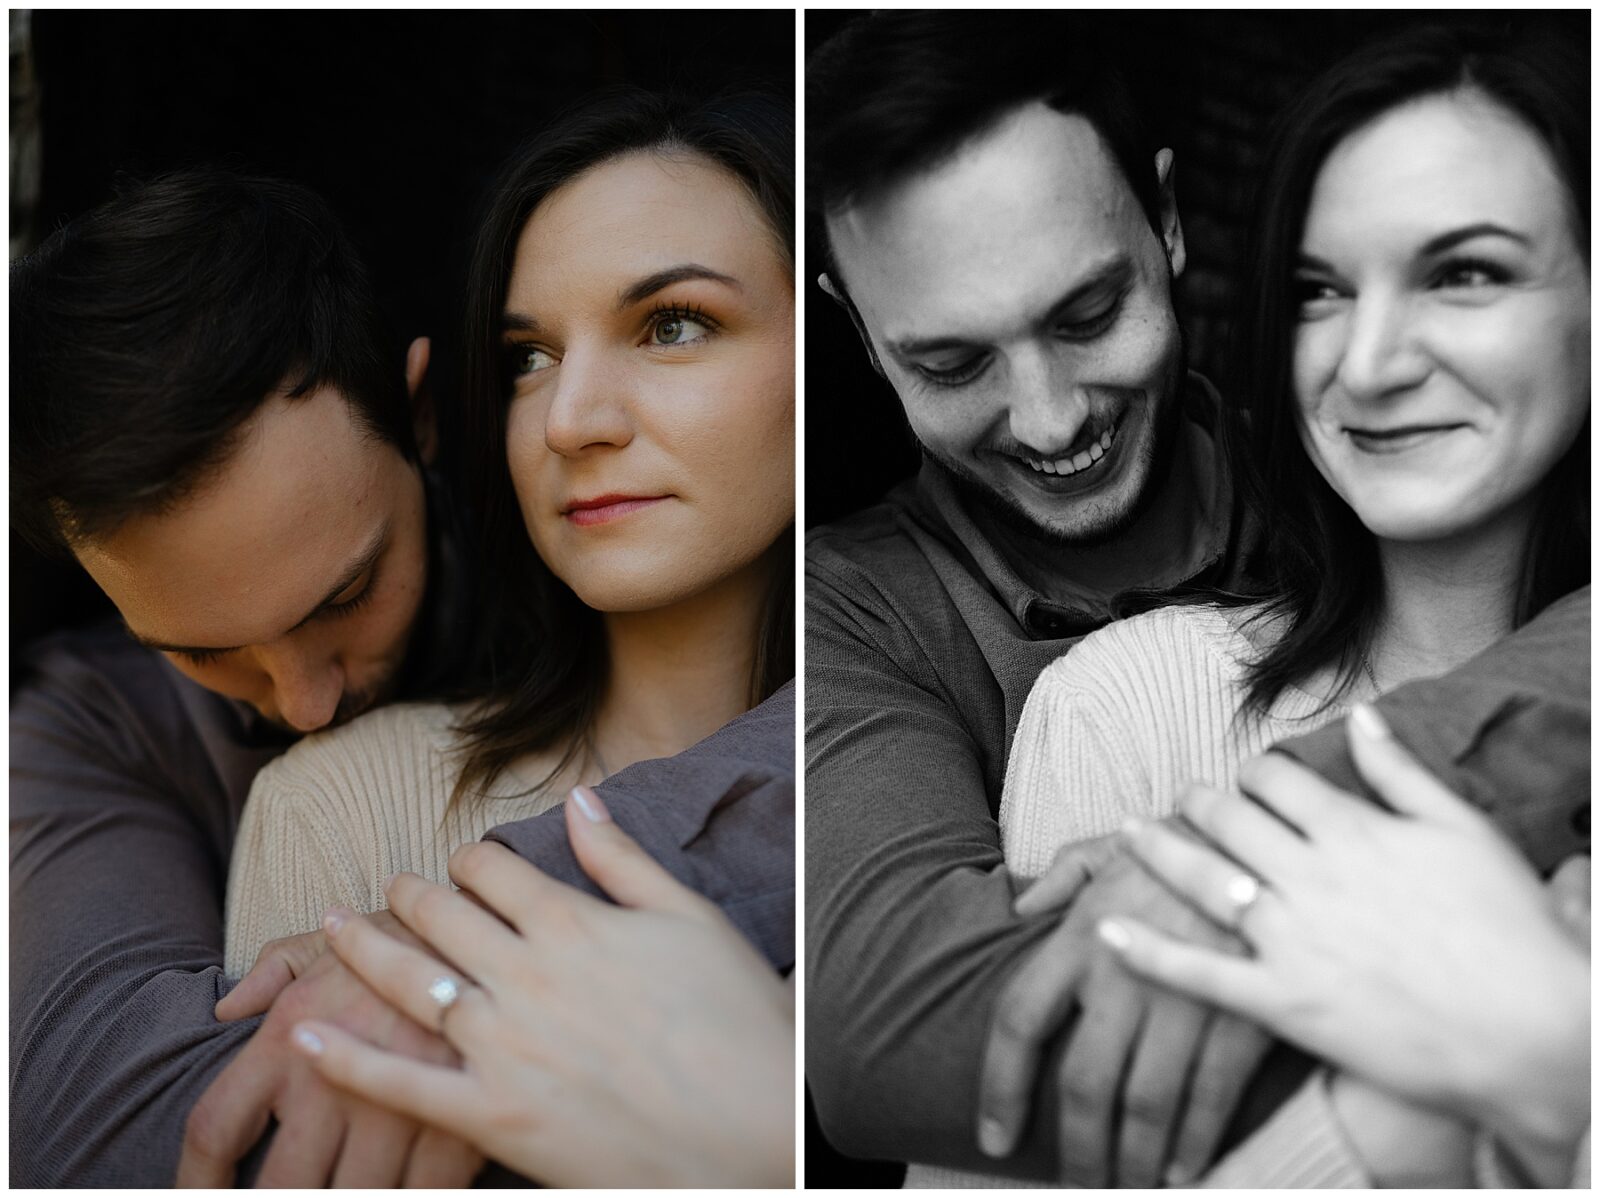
(652, 283)
(1454, 237)
(1304, 261)
(1438, 244)
(516, 322)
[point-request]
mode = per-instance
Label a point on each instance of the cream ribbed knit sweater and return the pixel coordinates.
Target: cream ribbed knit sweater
(329, 821)
(1121, 724)
(1116, 728)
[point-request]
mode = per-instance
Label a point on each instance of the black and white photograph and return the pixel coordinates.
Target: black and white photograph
(1196, 599)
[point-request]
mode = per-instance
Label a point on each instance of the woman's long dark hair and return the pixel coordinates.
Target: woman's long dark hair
(1322, 563)
(542, 664)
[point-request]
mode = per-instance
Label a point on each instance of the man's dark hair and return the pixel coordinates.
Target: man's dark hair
(895, 93)
(146, 333)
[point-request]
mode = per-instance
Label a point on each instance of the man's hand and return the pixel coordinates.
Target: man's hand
(1172, 1068)
(278, 963)
(325, 1137)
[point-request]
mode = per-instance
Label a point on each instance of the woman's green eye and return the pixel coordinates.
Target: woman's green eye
(530, 359)
(676, 328)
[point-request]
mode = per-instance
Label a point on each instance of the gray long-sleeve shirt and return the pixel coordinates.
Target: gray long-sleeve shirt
(127, 781)
(921, 648)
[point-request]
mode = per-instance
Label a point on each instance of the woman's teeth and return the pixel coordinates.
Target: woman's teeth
(1078, 461)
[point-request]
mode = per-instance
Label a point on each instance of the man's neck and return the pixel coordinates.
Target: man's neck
(1167, 540)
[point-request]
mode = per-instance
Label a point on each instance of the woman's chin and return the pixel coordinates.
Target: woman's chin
(623, 592)
(1422, 523)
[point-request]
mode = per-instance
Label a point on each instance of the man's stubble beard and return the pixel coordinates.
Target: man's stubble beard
(352, 704)
(1156, 460)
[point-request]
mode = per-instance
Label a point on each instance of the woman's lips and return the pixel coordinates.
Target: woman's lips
(1400, 439)
(603, 509)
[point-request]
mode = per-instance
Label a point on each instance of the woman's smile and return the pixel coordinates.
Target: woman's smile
(1401, 438)
(603, 509)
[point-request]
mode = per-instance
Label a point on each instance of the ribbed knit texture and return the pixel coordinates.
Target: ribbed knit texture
(1116, 728)
(329, 821)
(1119, 726)
(1300, 1148)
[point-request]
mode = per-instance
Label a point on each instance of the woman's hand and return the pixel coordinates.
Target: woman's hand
(1414, 949)
(637, 1045)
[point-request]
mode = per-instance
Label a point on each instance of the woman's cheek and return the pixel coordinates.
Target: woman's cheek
(525, 448)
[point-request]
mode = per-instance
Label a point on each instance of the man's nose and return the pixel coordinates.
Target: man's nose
(306, 685)
(1380, 355)
(1047, 408)
(590, 405)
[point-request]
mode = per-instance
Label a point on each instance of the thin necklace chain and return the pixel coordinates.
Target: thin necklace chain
(595, 758)
(1366, 664)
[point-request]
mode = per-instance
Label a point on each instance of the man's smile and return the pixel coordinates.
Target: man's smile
(1068, 464)
(1091, 458)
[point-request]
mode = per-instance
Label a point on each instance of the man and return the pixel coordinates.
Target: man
(207, 416)
(1005, 241)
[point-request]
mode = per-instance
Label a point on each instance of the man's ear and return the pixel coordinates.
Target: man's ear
(424, 419)
(838, 296)
(1171, 226)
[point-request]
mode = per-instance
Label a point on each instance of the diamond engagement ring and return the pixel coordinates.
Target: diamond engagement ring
(444, 991)
(1242, 891)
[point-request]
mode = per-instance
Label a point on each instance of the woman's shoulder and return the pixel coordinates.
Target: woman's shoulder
(400, 742)
(1162, 645)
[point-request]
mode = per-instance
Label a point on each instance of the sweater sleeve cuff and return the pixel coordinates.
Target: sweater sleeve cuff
(1300, 1147)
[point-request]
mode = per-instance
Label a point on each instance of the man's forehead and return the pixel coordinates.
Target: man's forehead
(245, 557)
(1033, 204)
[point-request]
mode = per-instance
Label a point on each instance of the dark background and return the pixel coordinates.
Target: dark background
(1211, 83)
(397, 119)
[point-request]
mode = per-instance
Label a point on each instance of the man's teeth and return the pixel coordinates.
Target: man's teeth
(1078, 461)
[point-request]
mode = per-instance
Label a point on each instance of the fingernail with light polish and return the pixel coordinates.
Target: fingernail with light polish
(1368, 722)
(1113, 933)
(332, 921)
(309, 1041)
(993, 1138)
(1131, 826)
(589, 803)
(1178, 1175)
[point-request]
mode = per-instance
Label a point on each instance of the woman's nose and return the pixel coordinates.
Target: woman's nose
(1381, 355)
(590, 406)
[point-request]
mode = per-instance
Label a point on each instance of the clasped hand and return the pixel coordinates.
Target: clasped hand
(325, 1136)
(1148, 1079)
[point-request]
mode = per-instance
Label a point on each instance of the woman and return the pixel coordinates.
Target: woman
(630, 405)
(1415, 360)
